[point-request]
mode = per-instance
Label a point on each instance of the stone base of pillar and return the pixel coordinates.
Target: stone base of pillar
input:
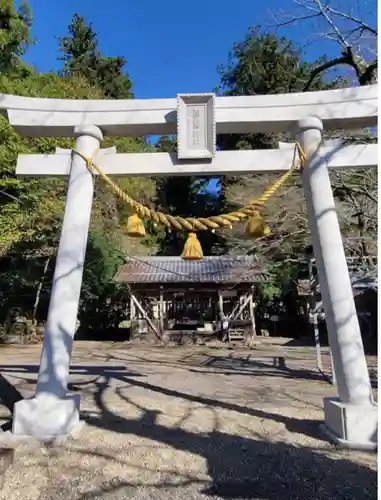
(350, 426)
(46, 418)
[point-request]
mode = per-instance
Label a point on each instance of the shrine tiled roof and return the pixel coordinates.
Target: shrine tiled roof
(214, 269)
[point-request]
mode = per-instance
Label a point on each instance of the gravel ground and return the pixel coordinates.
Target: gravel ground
(185, 423)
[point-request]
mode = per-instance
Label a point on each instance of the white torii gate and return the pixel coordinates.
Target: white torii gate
(351, 418)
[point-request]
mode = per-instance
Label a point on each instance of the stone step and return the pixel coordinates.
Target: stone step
(236, 336)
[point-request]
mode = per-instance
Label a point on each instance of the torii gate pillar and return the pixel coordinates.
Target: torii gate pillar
(52, 412)
(350, 419)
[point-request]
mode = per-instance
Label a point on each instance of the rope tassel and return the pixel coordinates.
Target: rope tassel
(256, 227)
(192, 248)
(135, 226)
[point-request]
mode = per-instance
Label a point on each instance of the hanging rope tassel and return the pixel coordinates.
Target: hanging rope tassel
(192, 248)
(135, 226)
(256, 227)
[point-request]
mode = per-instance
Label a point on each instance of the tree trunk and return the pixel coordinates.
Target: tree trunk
(38, 291)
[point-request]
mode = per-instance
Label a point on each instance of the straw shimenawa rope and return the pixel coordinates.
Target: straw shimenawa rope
(201, 223)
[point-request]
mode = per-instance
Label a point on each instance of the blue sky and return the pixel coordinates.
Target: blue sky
(171, 46)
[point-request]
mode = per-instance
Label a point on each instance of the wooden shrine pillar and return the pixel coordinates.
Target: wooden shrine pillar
(161, 311)
(252, 316)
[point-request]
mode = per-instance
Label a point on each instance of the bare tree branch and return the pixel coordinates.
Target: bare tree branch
(345, 59)
(355, 35)
(322, 11)
(9, 196)
(349, 17)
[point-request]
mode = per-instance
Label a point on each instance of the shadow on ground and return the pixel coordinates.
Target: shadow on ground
(241, 467)
(9, 394)
(239, 365)
(261, 366)
(238, 467)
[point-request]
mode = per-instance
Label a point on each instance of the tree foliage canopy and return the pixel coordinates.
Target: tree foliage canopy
(82, 56)
(31, 210)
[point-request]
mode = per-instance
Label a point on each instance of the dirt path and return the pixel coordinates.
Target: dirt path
(186, 423)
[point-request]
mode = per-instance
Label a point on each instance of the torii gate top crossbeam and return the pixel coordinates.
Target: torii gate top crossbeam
(338, 109)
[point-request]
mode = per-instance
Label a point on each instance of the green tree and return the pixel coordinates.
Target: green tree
(186, 197)
(175, 196)
(266, 64)
(32, 209)
(15, 35)
(27, 204)
(82, 56)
